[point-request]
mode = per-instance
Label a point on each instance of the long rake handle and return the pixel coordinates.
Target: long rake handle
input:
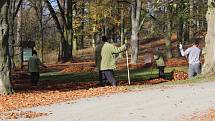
(129, 81)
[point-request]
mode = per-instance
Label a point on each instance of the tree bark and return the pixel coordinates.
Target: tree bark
(134, 47)
(136, 25)
(70, 23)
(168, 34)
(5, 85)
(209, 50)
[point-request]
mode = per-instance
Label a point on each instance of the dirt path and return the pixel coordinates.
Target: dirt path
(157, 104)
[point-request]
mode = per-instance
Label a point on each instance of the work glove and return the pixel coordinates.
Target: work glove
(180, 46)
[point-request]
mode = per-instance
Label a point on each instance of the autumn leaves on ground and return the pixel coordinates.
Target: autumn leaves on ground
(50, 91)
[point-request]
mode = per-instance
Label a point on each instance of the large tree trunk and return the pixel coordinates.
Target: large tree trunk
(41, 27)
(136, 26)
(134, 47)
(5, 85)
(168, 35)
(209, 50)
(70, 23)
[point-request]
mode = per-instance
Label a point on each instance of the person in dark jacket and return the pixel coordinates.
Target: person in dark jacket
(33, 67)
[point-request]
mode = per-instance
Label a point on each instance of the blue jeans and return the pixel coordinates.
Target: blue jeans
(108, 77)
(194, 69)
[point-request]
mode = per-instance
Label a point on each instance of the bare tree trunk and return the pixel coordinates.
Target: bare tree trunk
(209, 50)
(168, 35)
(122, 31)
(190, 22)
(70, 23)
(18, 35)
(136, 26)
(41, 29)
(11, 36)
(82, 25)
(5, 85)
(39, 10)
(134, 47)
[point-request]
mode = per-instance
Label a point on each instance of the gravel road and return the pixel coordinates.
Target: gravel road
(170, 103)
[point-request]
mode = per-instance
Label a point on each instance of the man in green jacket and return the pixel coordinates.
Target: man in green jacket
(106, 62)
(159, 59)
(33, 67)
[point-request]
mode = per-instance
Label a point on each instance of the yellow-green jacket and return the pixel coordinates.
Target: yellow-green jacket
(159, 58)
(107, 56)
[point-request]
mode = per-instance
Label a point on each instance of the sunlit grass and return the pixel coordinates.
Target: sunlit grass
(136, 75)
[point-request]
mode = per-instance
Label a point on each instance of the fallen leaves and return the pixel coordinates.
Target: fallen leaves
(32, 98)
(27, 97)
(208, 116)
(87, 67)
(21, 114)
(179, 75)
(174, 62)
(73, 69)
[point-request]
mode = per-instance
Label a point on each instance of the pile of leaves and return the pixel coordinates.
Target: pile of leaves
(174, 62)
(21, 114)
(179, 75)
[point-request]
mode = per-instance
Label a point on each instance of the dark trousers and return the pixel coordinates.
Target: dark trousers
(107, 77)
(34, 78)
(161, 71)
(101, 83)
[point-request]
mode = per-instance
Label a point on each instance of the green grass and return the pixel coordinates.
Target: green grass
(197, 79)
(136, 75)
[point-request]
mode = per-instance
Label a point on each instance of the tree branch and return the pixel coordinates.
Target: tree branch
(141, 24)
(54, 16)
(62, 13)
(17, 8)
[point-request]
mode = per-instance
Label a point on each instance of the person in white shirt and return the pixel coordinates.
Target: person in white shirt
(193, 54)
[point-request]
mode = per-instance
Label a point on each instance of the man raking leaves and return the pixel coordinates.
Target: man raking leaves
(106, 62)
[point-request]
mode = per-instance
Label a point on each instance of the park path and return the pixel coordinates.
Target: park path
(169, 103)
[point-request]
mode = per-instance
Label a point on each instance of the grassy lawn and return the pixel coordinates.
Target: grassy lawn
(136, 75)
